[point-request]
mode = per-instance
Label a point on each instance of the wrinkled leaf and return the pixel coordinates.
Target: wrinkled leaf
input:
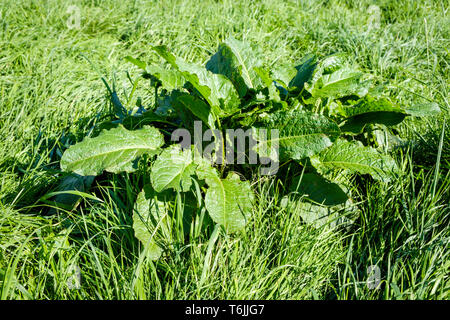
(229, 201)
(113, 150)
(355, 157)
(332, 63)
(301, 134)
(173, 168)
(423, 109)
(197, 106)
(168, 79)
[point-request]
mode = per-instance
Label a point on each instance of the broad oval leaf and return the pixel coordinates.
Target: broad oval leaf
(215, 88)
(319, 216)
(423, 109)
(356, 158)
(301, 134)
(327, 65)
(236, 61)
(340, 83)
(173, 169)
(229, 201)
(370, 110)
(169, 79)
(316, 188)
(304, 72)
(197, 106)
(284, 74)
(151, 222)
(114, 150)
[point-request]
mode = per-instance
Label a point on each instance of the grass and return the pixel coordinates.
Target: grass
(51, 94)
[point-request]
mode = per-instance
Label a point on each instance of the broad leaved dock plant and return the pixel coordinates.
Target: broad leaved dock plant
(324, 110)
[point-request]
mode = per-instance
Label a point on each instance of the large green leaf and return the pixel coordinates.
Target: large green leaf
(215, 88)
(304, 72)
(319, 216)
(168, 79)
(423, 109)
(114, 150)
(283, 74)
(236, 61)
(355, 157)
(316, 188)
(370, 110)
(342, 82)
(301, 134)
(197, 106)
(71, 182)
(151, 222)
(327, 65)
(270, 87)
(332, 63)
(173, 168)
(228, 201)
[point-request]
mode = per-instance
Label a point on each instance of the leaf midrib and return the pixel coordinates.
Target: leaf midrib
(376, 169)
(222, 190)
(178, 174)
(241, 62)
(339, 80)
(301, 136)
(109, 152)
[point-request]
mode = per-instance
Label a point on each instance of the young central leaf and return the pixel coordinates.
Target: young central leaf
(169, 79)
(215, 88)
(301, 134)
(173, 169)
(304, 72)
(236, 61)
(355, 157)
(197, 106)
(114, 150)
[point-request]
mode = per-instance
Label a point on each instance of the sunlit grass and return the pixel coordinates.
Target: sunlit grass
(51, 95)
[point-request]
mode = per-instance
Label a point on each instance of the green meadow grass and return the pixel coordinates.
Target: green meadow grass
(51, 94)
